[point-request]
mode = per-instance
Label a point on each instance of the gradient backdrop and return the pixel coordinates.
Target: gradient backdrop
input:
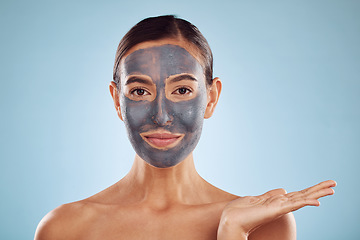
(288, 116)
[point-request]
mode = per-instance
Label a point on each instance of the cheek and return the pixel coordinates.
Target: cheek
(190, 114)
(187, 115)
(136, 114)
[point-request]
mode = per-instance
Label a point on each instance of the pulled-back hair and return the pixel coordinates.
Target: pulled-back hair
(161, 27)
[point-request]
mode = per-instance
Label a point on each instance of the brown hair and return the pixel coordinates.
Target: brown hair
(167, 26)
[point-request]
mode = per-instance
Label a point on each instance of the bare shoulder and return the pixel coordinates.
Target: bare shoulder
(64, 222)
(283, 228)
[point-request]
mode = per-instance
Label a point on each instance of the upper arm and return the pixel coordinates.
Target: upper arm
(283, 228)
(50, 225)
(58, 224)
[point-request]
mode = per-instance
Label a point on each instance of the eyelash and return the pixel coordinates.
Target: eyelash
(134, 92)
(187, 90)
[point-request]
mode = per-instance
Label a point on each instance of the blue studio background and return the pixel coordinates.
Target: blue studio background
(288, 115)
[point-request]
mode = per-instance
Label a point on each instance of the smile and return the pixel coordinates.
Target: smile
(161, 139)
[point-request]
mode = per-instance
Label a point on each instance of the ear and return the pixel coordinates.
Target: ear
(213, 97)
(115, 95)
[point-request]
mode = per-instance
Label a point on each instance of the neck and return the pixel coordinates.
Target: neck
(162, 187)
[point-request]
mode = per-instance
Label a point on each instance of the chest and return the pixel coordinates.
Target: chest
(192, 223)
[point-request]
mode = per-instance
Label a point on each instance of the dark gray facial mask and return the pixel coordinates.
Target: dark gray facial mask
(185, 117)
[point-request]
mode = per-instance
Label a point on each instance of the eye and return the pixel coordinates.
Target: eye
(182, 91)
(139, 92)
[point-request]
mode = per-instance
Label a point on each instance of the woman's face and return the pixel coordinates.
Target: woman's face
(163, 99)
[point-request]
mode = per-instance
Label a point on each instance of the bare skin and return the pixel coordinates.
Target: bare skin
(175, 202)
(166, 204)
(243, 216)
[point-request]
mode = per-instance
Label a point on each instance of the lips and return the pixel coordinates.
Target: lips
(161, 140)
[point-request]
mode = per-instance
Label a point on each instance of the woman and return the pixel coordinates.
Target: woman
(163, 89)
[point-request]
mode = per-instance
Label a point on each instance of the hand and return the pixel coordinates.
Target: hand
(243, 215)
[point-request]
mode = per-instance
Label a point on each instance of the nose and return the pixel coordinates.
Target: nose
(161, 114)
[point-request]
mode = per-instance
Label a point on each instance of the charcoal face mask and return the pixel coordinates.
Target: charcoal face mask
(184, 117)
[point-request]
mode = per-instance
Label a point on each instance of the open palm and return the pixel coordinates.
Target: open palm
(248, 213)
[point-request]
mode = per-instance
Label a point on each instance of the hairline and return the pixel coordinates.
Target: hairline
(189, 47)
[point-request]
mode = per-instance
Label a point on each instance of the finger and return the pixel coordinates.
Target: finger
(293, 205)
(321, 193)
(322, 185)
(313, 197)
(274, 192)
(315, 188)
(296, 200)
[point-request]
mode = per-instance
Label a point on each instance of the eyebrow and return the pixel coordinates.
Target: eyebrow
(135, 79)
(182, 77)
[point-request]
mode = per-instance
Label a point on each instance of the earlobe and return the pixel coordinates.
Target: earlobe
(213, 97)
(115, 95)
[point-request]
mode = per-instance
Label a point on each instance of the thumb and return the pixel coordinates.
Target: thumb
(279, 191)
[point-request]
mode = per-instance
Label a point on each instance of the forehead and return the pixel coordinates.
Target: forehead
(165, 59)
